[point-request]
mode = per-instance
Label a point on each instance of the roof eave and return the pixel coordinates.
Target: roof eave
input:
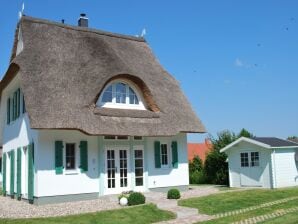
(266, 146)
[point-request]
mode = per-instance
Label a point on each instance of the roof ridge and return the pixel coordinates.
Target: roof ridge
(82, 29)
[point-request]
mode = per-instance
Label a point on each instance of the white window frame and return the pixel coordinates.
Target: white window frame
(249, 160)
(75, 169)
(256, 163)
(161, 154)
(125, 105)
(116, 138)
(143, 167)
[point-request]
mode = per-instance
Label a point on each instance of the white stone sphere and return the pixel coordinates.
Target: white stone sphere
(123, 201)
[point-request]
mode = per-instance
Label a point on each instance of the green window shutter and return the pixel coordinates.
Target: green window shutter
(24, 107)
(19, 174)
(12, 174)
(157, 154)
(8, 111)
(30, 153)
(4, 174)
(18, 95)
(175, 154)
(59, 157)
(14, 106)
(84, 156)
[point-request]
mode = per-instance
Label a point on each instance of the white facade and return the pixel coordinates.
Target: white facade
(47, 183)
(276, 168)
(285, 168)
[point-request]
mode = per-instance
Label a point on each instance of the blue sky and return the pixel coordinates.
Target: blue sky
(236, 61)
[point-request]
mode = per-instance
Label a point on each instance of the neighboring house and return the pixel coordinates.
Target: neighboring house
(102, 116)
(293, 140)
(262, 162)
(198, 149)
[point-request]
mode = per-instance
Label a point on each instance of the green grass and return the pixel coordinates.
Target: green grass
(257, 212)
(219, 203)
(291, 218)
(138, 214)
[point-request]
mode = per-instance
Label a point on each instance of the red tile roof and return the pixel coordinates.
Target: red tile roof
(198, 149)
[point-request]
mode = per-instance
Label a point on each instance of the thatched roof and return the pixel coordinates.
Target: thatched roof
(64, 68)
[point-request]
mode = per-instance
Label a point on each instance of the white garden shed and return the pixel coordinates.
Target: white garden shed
(262, 162)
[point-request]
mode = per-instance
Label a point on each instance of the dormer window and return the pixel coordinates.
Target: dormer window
(121, 94)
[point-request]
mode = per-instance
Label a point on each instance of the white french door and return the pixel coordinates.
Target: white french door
(117, 175)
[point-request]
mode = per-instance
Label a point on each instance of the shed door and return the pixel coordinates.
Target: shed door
(250, 169)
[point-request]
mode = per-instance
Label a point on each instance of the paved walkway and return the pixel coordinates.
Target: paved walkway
(184, 215)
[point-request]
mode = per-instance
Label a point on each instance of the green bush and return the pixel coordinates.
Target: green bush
(136, 198)
(197, 177)
(173, 194)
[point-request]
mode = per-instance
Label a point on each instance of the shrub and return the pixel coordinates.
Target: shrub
(173, 194)
(136, 198)
(197, 177)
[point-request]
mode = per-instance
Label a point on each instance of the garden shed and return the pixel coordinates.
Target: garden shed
(262, 162)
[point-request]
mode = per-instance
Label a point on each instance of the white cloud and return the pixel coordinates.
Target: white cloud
(239, 63)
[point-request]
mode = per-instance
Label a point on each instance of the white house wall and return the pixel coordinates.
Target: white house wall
(70, 182)
(15, 135)
(286, 168)
(165, 177)
(235, 164)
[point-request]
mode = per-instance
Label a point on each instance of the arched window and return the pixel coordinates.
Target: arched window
(120, 94)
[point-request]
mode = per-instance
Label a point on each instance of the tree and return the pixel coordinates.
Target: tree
(245, 133)
(195, 165)
(216, 166)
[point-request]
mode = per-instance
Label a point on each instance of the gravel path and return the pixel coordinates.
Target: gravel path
(11, 208)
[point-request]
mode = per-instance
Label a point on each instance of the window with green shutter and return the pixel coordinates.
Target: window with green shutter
(84, 156)
(59, 157)
(12, 174)
(175, 154)
(19, 174)
(31, 173)
(23, 105)
(18, 103)
(14, 105)
(157, 154)
(8, 111)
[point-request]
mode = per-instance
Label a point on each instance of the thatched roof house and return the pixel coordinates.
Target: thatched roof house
(86, 113)
(63, 70)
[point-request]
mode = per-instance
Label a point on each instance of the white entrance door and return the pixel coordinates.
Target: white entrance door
(117, 176)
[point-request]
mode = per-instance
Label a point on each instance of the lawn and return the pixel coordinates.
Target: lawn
(219, 203)
(254, 213)
(138, 214)
(232, 201)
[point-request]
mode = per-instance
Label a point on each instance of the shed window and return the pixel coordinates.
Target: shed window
(120, 95)
(70, 156)
(244, 159)
(254, 159)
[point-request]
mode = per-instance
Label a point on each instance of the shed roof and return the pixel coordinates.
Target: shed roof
(264, 142)
(275, 142)
(63, 69)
